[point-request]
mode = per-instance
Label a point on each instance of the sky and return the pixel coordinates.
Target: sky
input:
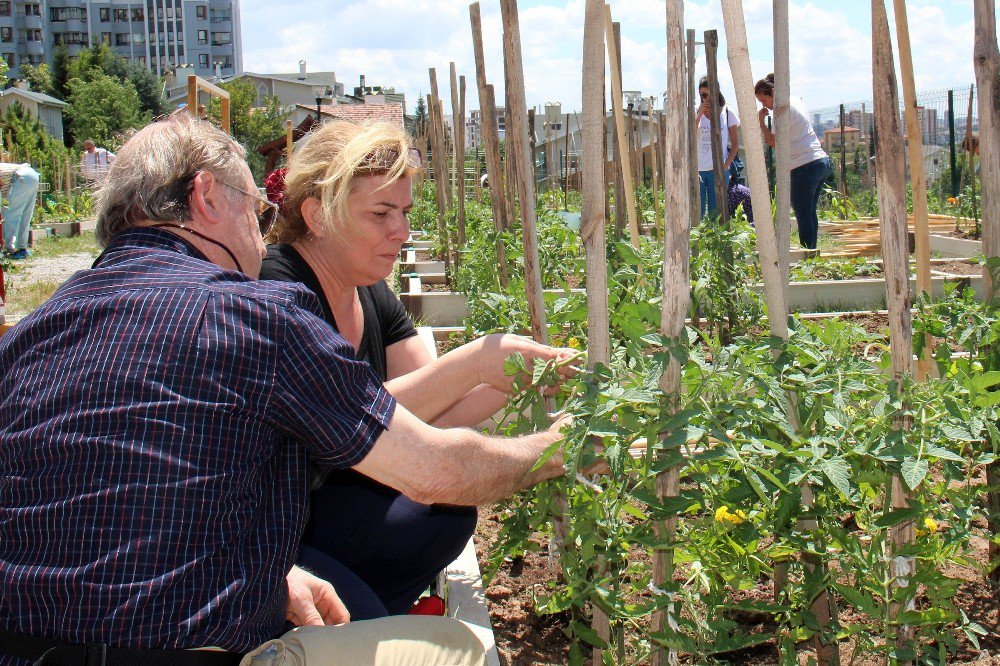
(394, 42)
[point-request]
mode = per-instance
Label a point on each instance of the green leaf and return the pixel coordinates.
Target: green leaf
(586, 633)
(914, 470)
(839, 473)
(897, 516)
(943, 454)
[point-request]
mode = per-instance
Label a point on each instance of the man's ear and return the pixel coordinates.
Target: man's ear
(312, 214)
(208, 201)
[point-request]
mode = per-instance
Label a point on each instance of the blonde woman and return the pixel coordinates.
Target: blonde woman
(344, 219)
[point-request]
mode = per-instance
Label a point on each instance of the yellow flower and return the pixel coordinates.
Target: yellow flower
(931, 525)
(952, 200)
(723, 515)
(573, 343)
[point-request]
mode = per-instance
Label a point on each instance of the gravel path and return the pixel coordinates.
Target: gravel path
(50, 269)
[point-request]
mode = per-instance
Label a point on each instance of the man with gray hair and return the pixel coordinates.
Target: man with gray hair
(156, 419)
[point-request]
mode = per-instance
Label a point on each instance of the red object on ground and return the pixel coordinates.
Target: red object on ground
(429, 605)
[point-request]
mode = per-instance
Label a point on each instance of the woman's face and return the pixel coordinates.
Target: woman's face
(766, 100)
(703, 94)
(382, 220)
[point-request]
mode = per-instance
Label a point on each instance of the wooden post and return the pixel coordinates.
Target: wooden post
(566, 167)
(618, 159)
(891, 177)
(865, 133)
(460, 152)
(226, 121)
(616, 103)
(593, 221)
(718, 159)
(783, 141)
(517, 128)
(456, 150)
(986, 59)
(918, 182)
(654, 129)
(69, 188)
(289, 141)
(842, 173)
(491, 139)
(692, 103)
(438, 137)
(498, 199)
(440, 172)
(676, 289)
(971, 169)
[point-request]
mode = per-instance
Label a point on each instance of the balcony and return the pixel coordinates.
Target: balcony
(75, 25)
(35, 48)
(74, 49)
(31, 21)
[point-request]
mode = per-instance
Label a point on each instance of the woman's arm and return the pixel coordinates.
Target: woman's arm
(734, 145)
(463, 387)
(762, 121)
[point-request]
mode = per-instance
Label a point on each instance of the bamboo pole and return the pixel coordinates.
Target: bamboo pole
(986, 59)
(918, 182)
(676, 288)
(491, 139)
(616, 103)
(892, 220)
(593, 220)
(517, 128)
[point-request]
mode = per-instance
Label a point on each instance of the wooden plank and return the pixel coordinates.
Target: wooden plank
(517, 128)
(616, 103)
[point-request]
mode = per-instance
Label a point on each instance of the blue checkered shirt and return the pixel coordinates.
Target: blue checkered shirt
(156, 417)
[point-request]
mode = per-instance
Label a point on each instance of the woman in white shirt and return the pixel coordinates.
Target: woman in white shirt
(809, 162)
(729, 135)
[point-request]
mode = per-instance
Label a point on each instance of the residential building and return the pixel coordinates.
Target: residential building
(48, 110)
(832, 139)
(159, 34)
(379, 94)
(302, 87)
(358, 113)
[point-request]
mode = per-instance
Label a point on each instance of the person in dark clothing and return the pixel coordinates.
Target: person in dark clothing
(345, 203)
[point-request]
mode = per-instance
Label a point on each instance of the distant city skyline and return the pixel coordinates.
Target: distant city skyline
(394, 42)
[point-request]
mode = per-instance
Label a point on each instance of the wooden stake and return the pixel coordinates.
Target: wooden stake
(457, 152)
(718, 160)
(918, 182)
(889, 165)
(972, 155)
(440, 171)
(986, 59)
(593, 221)
(616, 103)
(842, 172)
(490, 130)
(460, 153)
(566, 167)
(654, 127)
(440, 141)
(69, 189)
(517, 129)
(692, 101)
(617, 158)
(676, 289)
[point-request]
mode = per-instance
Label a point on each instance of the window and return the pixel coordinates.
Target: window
(6, 34)
(203, 36)
(220, 15)
(121, 15)
(138, 38)
(33, 35)
(122, 39)
(32, 10)
(9, 57)
(180, 51)
(222, 38)
(5, 11)
(68, 14)
(141, 60)
(105, 13)
(138, 14)
(170, 13)
(106, 38)
(57, 38)
(203, 60)
(200, 12)
(225, 62)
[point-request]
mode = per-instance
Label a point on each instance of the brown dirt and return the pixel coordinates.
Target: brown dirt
(959, 268)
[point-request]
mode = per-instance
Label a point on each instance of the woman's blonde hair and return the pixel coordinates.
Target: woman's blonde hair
(325, 164)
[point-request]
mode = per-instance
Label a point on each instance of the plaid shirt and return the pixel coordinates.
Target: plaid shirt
(156, 416)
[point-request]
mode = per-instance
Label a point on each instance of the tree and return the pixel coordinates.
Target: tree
(251, 126)
(61, 64)
(39, 77)
(102, 108)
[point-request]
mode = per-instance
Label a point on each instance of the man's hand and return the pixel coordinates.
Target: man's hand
(496, 348)
(313, 601)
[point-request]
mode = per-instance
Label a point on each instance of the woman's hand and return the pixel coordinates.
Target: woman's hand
(494, 350)
(762, 115)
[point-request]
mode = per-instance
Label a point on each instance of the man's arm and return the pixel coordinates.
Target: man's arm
(456, 466)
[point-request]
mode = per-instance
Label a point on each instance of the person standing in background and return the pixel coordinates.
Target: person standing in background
(809, 162)
(95, 162)
(19, 187)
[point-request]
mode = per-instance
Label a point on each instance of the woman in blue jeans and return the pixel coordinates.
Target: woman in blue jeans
(810, 163)
(729, 138)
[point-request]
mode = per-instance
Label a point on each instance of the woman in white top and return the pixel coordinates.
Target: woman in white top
(810, 164)
(729, 135)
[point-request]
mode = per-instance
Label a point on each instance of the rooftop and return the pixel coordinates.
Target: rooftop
(41, 98)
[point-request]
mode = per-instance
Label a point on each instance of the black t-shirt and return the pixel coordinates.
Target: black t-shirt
(386, 321)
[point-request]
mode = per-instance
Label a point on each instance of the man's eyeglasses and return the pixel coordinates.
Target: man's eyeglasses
(267, 210)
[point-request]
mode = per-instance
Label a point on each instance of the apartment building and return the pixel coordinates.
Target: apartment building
(159, 34)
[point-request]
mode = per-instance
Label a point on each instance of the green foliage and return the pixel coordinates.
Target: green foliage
(838, 207)
(58, 208)
(251, 126)
(102, 108)
(33, 143)
(39, 77)
(834, 268)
